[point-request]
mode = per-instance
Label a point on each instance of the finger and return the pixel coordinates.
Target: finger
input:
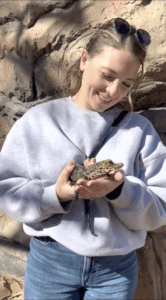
(83, 188)
(93, 160)
(89, 183)
(83, 192)
(82, 182)
(89, 161)
(118, 176)
(64, 176)
(86, 183)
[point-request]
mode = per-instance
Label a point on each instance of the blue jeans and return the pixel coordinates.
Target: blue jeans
(54, 272)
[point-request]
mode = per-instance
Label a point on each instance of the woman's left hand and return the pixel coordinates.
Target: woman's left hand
(101, 186)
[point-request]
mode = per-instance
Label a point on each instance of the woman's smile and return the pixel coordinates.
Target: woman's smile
(105, 99)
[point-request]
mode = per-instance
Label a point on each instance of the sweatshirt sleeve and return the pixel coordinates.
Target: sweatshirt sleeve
(24, 199)
(141, 205)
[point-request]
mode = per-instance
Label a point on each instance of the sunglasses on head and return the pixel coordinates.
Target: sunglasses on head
(123, 28)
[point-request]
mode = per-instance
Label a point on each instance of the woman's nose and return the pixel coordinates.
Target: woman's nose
(113, 89)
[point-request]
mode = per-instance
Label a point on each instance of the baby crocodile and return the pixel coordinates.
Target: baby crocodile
(104, 167)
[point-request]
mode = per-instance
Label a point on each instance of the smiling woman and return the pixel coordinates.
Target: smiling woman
(106, 79)
(87, 242)
(118, 35)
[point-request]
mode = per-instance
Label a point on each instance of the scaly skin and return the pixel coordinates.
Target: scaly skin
(102, 168)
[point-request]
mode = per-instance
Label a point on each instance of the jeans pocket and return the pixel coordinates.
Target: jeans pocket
(42, 240)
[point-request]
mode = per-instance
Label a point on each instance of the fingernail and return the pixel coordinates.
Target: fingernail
(71, 163)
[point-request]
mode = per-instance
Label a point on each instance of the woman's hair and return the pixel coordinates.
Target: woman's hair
(106, 35)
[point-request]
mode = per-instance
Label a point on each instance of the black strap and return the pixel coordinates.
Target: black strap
(119, 118)
(116, 122)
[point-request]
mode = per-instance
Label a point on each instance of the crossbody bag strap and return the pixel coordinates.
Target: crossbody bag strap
(116, 122)
(87, 202)
(119, 118)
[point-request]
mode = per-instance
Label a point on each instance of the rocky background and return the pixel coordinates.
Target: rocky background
(39, 40)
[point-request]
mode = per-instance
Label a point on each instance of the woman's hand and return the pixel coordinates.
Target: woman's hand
(98, 187)
(64, 190)
(90, 189)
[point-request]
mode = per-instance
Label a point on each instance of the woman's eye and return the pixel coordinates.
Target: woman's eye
(107, 77)
(126, 85)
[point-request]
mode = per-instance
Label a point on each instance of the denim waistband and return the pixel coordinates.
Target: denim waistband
(44, 239)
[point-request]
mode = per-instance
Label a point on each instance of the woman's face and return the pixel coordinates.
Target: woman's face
(107, 78)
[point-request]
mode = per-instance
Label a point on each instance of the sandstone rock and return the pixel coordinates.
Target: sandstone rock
(152, 273)
(10, 12)
(11, 265)
(15, 249)
(157, 117)
(36, 10)
(11, 288)
(149, 284)
(55, 26)
(12, 230)
(4, 291)
(49, 82)
(13, 258)
(4, 129)
(16, 76)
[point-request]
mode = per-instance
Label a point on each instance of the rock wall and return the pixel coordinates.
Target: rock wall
(39, 41)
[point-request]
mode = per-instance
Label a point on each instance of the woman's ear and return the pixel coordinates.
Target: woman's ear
(84, 60)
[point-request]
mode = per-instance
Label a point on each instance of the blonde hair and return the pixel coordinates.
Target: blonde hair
(106, 35)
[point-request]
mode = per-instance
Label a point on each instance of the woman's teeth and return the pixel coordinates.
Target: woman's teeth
(104, 99)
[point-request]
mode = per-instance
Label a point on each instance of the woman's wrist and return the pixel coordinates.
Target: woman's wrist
(62, 200)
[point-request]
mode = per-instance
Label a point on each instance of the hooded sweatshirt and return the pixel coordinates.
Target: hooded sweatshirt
(42, 143)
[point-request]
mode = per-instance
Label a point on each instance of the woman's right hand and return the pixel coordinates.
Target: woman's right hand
(64, 190)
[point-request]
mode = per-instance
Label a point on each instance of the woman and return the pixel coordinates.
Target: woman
(88, 244)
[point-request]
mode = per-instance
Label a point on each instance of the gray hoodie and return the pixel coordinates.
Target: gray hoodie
(43, 142)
